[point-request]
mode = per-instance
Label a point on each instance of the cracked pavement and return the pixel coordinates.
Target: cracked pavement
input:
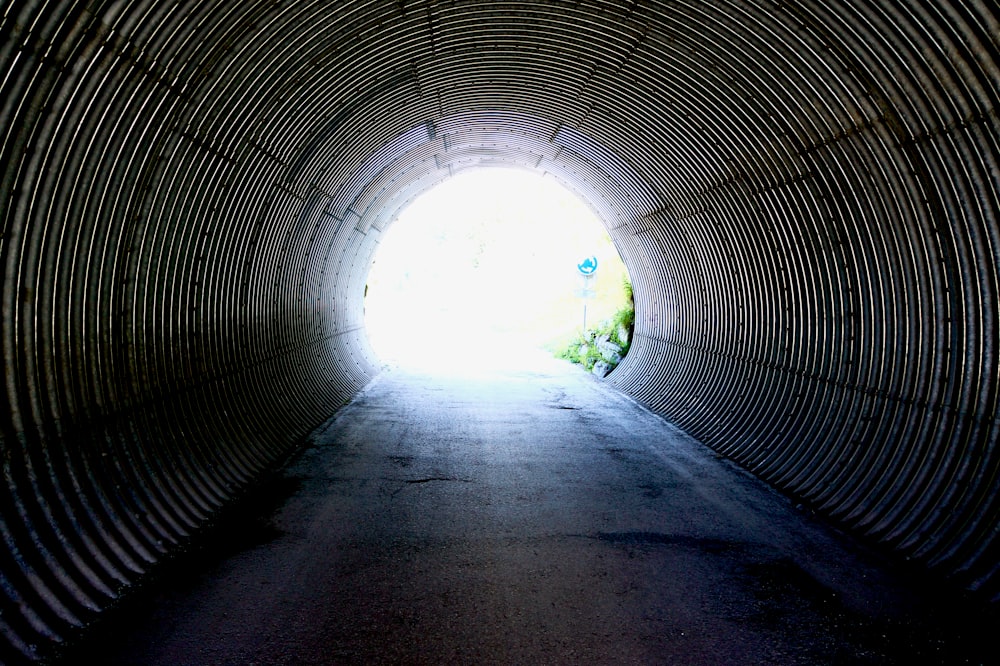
(526, 516)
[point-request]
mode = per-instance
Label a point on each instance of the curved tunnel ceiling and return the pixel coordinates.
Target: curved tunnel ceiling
(806, 197)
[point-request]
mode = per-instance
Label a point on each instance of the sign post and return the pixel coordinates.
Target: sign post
(587, 268)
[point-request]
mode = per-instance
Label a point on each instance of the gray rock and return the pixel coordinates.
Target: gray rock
(609, 350)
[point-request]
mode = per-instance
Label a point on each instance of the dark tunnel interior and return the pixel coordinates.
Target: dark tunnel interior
(806, 195)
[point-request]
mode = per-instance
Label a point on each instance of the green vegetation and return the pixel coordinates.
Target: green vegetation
(605, 345)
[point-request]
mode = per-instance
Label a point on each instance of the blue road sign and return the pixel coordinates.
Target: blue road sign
(588, 266)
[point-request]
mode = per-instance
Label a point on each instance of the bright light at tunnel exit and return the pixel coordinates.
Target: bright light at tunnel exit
(483, 268)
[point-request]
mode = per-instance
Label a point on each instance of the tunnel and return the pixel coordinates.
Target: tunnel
(806, 196)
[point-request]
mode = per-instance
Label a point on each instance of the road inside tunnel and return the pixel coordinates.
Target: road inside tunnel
(530, 515)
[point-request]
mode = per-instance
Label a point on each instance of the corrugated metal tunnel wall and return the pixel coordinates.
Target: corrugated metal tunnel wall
(806, 196)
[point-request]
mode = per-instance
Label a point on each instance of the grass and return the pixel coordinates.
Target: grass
(608, 342)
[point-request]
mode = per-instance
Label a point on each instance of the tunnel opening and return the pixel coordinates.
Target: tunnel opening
(483, 271)
(807, 196)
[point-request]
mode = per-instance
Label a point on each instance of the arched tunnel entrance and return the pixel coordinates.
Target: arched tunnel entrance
(806, 197)
(485, 267)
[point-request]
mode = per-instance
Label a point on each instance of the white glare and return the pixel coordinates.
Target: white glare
(483, 267)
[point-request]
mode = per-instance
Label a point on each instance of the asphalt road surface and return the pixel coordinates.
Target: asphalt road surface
(526, 517)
